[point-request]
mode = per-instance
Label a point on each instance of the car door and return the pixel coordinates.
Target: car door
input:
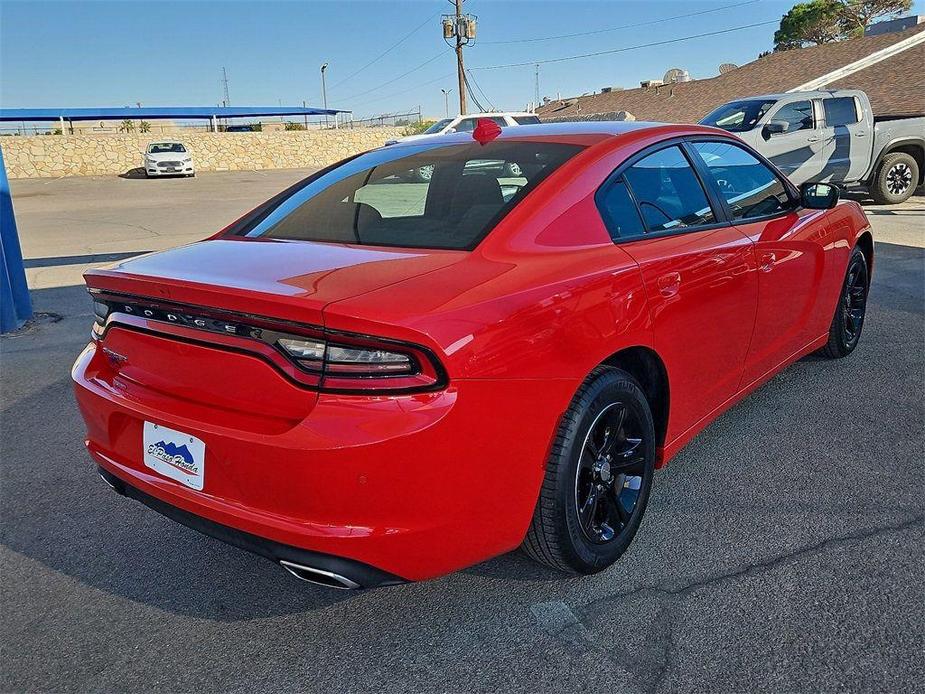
(794, 277)
(699, 273)
(798, 150)
(846, 152)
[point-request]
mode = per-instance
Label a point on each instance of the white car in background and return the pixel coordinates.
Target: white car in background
(466, 124)
(168, 158)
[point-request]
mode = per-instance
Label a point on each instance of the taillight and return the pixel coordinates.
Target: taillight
(312, 356)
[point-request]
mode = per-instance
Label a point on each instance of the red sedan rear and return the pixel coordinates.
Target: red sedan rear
(372, 379)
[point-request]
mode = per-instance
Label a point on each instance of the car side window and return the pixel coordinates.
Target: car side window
(668, 192)
(619, 212)
(466, 125)
(840, 111)
(798, 116)
(750, 188)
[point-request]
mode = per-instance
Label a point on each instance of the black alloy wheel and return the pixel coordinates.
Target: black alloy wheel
(848, 321)
(598, 476)
(610, 474)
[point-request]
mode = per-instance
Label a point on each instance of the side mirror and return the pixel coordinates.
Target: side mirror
(819, 196)
(776, 127)
(450, 130)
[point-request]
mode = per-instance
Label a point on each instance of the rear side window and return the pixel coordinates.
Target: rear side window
(798, 116)
(749, 187)
(619, 212)
(420, 196)
(840, 111)
(668, 191)
(526, 120)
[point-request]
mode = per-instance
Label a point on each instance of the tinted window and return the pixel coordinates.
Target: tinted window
(738, 116)
(526, 120)
(166, 147)
(840, 111)
(466, 125)
(750, 188)
(419, 196)
(668, 192)
(799, 116)
(619, 212)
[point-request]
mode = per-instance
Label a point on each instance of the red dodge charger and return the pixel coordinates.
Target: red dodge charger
(372, 378)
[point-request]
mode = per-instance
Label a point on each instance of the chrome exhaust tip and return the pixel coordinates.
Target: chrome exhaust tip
(111, 485)
(320, 577)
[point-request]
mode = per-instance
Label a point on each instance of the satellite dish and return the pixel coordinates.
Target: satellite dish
(727, 67)
(673, 74)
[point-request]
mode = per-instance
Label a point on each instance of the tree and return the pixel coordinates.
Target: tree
(857, 14)
(294, 126)
(825, 21)
(144, 127)
(814, 22)
(127, 126)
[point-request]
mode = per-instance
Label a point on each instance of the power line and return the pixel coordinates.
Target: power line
(470, 76)
(617, 28)
(389, 49)
(405, 91)
(472, 95)
(405, 74)
(627, 48)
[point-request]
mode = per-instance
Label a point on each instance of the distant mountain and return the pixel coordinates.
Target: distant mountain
(172, 449)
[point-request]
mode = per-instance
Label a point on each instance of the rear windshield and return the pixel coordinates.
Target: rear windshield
(415, 196)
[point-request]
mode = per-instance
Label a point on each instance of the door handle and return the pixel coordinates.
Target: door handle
(860, 134)
(669, 284)
(812, 139)
(766, 263)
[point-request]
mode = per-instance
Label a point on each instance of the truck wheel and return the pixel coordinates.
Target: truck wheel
(896, 179)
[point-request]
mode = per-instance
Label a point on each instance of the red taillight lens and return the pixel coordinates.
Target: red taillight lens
(313, 357)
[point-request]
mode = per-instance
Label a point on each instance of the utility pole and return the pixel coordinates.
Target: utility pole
(460, 70)
(536, 87)
(324, 93)
(462, 27)
(446, 102)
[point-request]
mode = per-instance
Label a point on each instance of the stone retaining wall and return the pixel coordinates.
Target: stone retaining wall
(52, 156)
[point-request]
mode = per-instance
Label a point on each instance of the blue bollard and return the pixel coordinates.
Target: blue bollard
(15, 303)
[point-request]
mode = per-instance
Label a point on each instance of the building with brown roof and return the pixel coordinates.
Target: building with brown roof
(890, 67)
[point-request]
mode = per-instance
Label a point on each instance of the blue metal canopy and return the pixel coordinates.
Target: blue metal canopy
(178, 113)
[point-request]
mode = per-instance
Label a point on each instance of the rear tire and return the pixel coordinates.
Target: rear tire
(598, 477)
(848, 321)
(896, 179)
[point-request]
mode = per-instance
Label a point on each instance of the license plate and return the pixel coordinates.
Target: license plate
(176, 455)
(172, 170)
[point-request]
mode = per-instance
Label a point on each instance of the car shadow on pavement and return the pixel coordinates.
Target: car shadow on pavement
(57, 513)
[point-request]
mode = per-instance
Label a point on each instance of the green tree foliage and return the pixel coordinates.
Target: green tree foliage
(127, 126)
(825, 21)
(144, 127)
(294, 126)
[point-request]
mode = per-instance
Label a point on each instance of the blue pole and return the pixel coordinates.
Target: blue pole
(15, 303)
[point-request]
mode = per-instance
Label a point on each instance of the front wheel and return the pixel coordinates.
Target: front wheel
(845, 331)
(598, 477)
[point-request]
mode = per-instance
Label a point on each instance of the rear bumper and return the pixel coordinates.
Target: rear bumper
(358, 574)
(410, 486)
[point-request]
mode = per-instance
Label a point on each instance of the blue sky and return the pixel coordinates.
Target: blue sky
(171, 53)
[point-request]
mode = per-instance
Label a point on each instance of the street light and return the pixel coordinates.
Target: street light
(446, 102)
(324, 93)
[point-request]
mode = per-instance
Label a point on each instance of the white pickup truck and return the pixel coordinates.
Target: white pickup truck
(831, 136)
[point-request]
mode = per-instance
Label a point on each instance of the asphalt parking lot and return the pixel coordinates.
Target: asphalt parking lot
(782, 550)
